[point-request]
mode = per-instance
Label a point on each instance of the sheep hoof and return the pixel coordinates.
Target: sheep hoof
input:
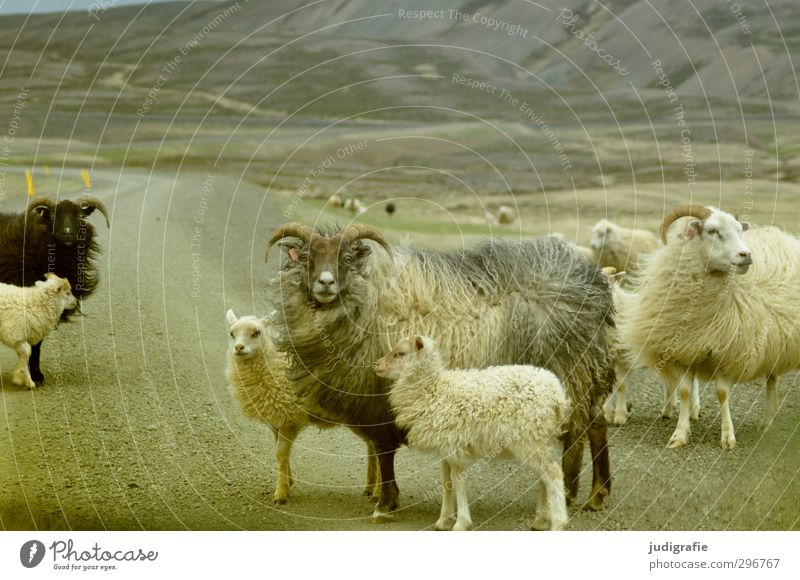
(620, 419)
(676, 442)
(541, 524)
(373, 495)
(463, 526)
(443, 525)
(379, 517)
(596, 501)
(280, 500)
(728, 441)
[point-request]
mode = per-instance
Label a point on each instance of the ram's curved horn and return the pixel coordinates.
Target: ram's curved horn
(41, 201)
(698, 211)
(86, 201)
(355, 232)
(290, 230)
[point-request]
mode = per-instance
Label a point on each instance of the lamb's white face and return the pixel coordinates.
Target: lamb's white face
(723, 246)
(603, 232)
(407, 351)
(246, 334)
(61, 289)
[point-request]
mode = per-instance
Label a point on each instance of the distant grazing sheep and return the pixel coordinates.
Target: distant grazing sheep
(620, 247)
(335, 201)
(354, 206)
(720, 303)
(256, 375)
(462, 416)
(27, 314)
(390, 208)
(51, 238)
(506, 215)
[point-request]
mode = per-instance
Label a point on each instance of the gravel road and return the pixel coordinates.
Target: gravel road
(135, 428)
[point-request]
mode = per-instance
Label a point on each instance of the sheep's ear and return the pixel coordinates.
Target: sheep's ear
(745, 226)
(419, 342)
(695, 227)
(292, 248)
(230, 317)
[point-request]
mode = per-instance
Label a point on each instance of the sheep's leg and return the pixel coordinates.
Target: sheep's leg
(448, 510)
(22, 376)
(373, 486)
(609, 405)
(681, 435)
(33, 364)
(615, 409)
(571, 462)
(695, 399)
(601, 464)
(552, 508)
(770, 402)
(621, 407)
(389, 490)
(463, 517)
(284, 438)
(551, 511)
(728, 439)
(670, 381)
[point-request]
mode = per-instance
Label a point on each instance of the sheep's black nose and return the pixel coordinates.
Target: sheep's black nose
(747, 258)
(239, 347)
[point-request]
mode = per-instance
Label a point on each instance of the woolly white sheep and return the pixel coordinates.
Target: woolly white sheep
(462, 416)
(616, 406)
(620, 247)
(28, 314)
(256, 374)
(335, 201)
(720, 303)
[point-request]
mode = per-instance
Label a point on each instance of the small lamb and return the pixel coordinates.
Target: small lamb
(256, 374)
(461, 416)
(28, 314)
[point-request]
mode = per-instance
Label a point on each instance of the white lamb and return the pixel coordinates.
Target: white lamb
(256, 375)
(620, 247)
(28, 314)
(462, 416)
(720, 303)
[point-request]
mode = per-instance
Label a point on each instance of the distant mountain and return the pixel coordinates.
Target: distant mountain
(607, 61)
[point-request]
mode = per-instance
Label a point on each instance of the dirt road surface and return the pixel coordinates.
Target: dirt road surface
(135, 428)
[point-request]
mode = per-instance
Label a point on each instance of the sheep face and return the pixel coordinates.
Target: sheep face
(407, 352)
(721, 244)
(246, 334)
(603, 232)
(61, 290)
(328, 263)
(66, 220)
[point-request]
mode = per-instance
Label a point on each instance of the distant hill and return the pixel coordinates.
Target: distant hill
(573, 58)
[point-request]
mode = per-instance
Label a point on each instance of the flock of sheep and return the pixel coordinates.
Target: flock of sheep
(512, 350)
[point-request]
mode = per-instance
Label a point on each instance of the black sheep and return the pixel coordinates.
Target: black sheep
(50, 237)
